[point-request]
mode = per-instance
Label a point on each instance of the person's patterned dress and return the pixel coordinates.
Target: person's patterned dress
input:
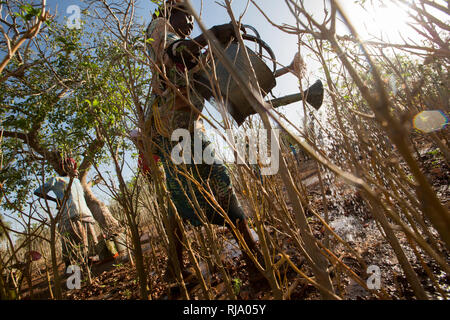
(190, 185)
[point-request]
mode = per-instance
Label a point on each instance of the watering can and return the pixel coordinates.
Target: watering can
(235, 100)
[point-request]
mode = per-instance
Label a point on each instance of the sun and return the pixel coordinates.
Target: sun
(382, 19)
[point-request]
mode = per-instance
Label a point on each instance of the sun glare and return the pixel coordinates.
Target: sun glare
(389, 20)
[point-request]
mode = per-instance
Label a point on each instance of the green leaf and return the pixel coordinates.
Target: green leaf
(26, 7)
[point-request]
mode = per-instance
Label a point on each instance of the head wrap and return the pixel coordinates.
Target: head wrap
(165, 9)
(67, 163)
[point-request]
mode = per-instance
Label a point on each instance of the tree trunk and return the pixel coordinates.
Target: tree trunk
(4, 290)
(100, 211)
(56, 278)
(140, 265)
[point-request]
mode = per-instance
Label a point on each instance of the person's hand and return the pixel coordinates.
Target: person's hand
(224, 32)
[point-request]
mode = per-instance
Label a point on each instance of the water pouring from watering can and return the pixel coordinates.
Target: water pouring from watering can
(313, 95)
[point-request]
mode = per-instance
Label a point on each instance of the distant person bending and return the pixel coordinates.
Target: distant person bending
(76, 220)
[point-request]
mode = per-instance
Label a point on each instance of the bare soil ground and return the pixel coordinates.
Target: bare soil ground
(349, 218)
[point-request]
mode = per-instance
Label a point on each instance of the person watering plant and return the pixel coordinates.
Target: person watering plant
(174, 59)
(76, 221)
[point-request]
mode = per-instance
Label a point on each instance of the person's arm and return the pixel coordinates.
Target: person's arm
(42, 191)
(46, 196)
(188, 50)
